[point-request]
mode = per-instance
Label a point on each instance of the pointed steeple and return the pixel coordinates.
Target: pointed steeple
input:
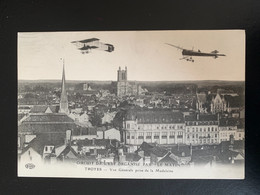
(64, 105)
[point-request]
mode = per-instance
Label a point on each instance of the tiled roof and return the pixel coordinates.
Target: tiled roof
(238, 145)
(45, 128)
(155, 116)
(202, 97)
(208, 117)
(234, 101)
(152, 149)
(229, 122)
(40, 141)
(66, 151)
(181, 149)
(43, 108)
(132, 157)
(168, 159)
(97, 142)
(38, 109)
(48, 117)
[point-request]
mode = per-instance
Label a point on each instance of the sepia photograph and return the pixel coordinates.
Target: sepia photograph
(166, 104)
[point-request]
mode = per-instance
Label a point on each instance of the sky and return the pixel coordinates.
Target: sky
(145, 54)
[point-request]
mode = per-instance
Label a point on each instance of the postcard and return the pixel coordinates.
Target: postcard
(132, 104)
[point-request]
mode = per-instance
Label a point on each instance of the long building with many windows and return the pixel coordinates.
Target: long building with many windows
(156, 125)
(165, 126)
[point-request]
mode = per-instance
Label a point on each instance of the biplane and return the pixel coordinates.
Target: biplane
(86, 45)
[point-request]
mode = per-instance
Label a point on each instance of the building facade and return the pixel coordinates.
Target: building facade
(201, 129)
(160, 126)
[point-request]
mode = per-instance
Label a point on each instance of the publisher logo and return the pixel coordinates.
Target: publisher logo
(29, 166)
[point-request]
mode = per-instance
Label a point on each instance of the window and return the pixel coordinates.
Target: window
(216, 135)
(128, 126)
(164, 135)
(148, 135)
(196, 129)
(188, 136)
(200, 129)
(46, 148)
(156, 135)
(140, 135)
(179, 134)
(212, 128)
(171, 134)
(133, 137)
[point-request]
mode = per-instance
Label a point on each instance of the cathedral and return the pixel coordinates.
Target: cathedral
(124, 87)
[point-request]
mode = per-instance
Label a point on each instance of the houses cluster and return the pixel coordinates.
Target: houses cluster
(41, 150)
(177, 129)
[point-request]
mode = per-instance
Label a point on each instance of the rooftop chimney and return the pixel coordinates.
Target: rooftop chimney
(231, 139)
(68, 137)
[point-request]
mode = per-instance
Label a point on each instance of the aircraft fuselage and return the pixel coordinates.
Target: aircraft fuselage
(186, 52)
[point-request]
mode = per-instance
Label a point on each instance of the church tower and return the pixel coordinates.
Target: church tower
(122, 74)
(64, 105)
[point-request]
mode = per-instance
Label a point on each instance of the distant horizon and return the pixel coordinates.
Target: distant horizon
(131, 80)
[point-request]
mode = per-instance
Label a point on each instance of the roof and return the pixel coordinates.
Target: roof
(230, 122)
(202, 97)
(97, 142)
(46, 128)
(66, 151)
(180, 150)
(132, 157)
(154, 116)
(43, 108)
(168, 159)
(234, 101)
(200, 117)
(238, 145)
(153, 149)
(40, 141)
(48, 118)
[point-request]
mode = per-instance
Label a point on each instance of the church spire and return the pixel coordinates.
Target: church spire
(64, 105)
